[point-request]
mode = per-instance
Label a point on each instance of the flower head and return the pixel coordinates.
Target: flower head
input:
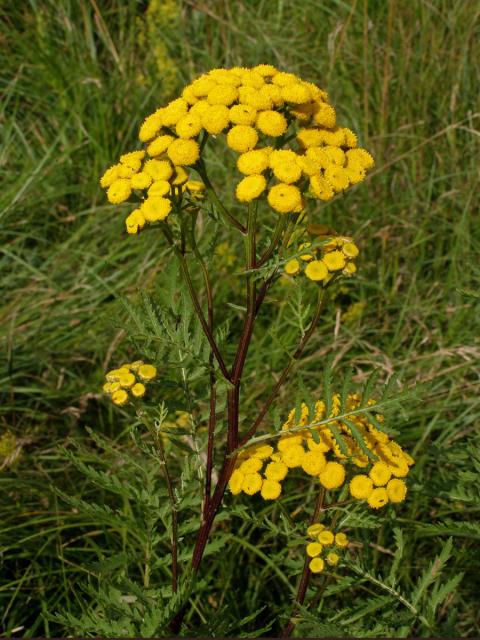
(128, 379)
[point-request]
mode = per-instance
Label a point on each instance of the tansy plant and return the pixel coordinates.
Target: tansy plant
(291, 156)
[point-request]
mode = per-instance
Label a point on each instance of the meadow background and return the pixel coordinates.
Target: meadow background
(77, 78)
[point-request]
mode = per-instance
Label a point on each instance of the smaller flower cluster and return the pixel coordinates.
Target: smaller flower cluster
(325, 542)
(128, 378)
(158, 176)
(317, 453)
(335, 255)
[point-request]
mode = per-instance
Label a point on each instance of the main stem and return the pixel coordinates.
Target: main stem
(233, 395)
(212, 375)
(254, 300)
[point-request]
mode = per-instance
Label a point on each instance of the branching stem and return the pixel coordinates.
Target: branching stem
(196, 303)
(285, 373)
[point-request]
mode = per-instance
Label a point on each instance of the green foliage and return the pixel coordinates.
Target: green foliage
(77, 525)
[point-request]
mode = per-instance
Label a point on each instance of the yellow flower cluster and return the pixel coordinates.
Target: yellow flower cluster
(128, 378)
(158, 176)
(320, 263)
(254, 108)
(325, 542)
(316, 451)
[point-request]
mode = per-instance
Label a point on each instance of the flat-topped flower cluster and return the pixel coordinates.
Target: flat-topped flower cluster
(325, 257)
(324, 542)
(261, 111)
(316, 451)
(129, 378)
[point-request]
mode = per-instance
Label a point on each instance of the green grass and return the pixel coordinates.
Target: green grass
(403, 75)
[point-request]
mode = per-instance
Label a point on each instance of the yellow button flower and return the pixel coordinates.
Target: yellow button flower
(120, 397)
(314, 549)
(174, 110)
(332, 476)
(150, 127)
(332, 558)
(251, 465)
(326, 537)
(259, 99)
(380, 474)
(183, 152)
(284, 198)
(158, 169)
(202, 86)
(399, 468)
(250, 187)
(337, 177)
(350, 250)
(134, 222)
(287, 171)
(378, 498)
(361, 156)
(320, 446)
(156, 208)
(199, 108)
(216, 118)
(126, 380)
(334, 260)
(355, 173)
(274, 93)
(110, 176)
(252, 483)
(179, 176)
(236, 481)
(396, 490)
(310, 137)
(262, 451)
(282, 78)
(133, 159)
(321, 188)
(325, 115)
(316, 270)
(189, 126)
(292, 267)
(272, 123)
(316, 565)
(147, 372)
(253, 162)
(276, 471)
(159, 188)
(159, 145)
(141, 180)
(361, 487)
(243, 114)
(271, 490)
(313, 463)
(350, 269)
(222, 94)
(138, 390)
(314, 529)
(341, 540)
(293, 456)
(297, 93)
(119, 191)
(253, 79)
(242, 138)
(288, 441)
